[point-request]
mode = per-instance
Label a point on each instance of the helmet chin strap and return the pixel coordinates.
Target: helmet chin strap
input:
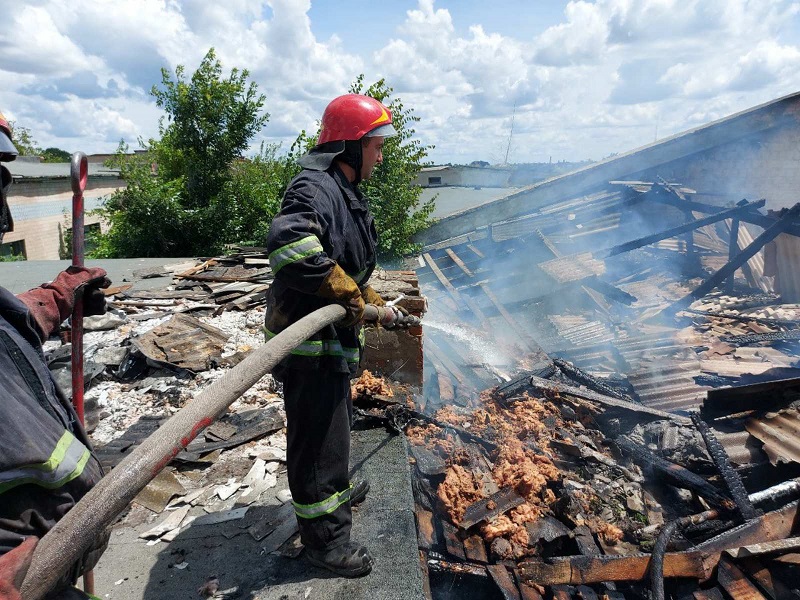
(6, 222)
(353, 157)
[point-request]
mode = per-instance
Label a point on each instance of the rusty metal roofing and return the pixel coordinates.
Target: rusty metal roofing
(780, 434)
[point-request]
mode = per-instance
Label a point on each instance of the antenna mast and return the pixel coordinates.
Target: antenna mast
(511, 133)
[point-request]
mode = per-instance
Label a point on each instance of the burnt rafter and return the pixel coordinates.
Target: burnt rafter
(777, 227)
(674, 231)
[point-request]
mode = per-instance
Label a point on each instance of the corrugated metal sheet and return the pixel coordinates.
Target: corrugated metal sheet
(780, 434)
(668, 385)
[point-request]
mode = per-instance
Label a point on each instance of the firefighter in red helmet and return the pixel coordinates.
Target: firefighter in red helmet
(322, 250)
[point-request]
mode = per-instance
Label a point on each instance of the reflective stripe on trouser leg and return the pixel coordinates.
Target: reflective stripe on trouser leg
(318, 454)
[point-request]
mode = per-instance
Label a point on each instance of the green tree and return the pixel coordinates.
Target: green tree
(23, 140)
(209, 123)
(186, 194)
(55, 155)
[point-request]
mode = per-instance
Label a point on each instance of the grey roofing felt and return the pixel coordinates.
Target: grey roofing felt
(31, 169)
(23, 275)
(453, 199)
(131, 570)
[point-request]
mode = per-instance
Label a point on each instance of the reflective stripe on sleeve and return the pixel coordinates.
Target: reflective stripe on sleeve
(326, 507)
(322, 348)
(66, 462)
(303, 248)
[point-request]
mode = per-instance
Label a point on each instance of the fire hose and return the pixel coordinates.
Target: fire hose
(71, 537)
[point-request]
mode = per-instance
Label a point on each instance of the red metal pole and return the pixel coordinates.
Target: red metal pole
(79, 172)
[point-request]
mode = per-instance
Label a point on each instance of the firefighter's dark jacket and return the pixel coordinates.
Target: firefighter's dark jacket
(46, 463)
(324, 220)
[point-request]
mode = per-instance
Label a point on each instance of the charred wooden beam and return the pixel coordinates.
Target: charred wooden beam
(437, 564)
(640, 411)
(608, 290)
(584, 378)
(787, 545)
(475, 549)
(733, 482)
(460, 300)
(489, 508)
(757, 396)
(576, 570)
(459, 263)
(504, 582)
(736, 583)
(673, 473)
(778, 227)
(772, 586)
(522, 382)
(527, 591)
(753, 217)
(744, 318)
(674, 231)
(733, 248)
(698, 563)
(452, 542)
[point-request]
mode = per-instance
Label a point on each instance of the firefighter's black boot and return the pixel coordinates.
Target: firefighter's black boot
(347, 560)
(358, 492)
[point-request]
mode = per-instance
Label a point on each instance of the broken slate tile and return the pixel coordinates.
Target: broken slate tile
(229, 489)
(221, 517)
(158, 493)
(172, 521)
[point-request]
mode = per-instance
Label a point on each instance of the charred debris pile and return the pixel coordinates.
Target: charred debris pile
(610, 401)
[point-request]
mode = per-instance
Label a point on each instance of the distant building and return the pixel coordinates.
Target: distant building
(41, 205)
(463, 176)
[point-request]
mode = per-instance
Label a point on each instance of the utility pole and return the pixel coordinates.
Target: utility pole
(511, 133)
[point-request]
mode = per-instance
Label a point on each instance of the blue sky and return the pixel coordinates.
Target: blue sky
(587, 78)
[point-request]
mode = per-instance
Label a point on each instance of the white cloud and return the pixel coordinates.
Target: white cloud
(599, 80)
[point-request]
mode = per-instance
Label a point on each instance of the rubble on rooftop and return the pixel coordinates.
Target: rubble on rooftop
(639, 298)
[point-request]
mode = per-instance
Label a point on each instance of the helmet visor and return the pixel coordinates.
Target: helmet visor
(8, 151)
(387, 130)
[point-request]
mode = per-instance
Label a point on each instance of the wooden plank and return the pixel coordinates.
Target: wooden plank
(769, 584)
(736, 583)
(504, 582)
(596, 569)
(698, 563)
(434, 352)
(475, 250)
(528, 339)
(426, 528)
(458, 262)
(475, 549)
(451, 541)
(730, 267)
(442, 279)
(713, 594)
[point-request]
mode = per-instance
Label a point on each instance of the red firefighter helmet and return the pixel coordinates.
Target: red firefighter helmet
(353, 116)
(7, 150)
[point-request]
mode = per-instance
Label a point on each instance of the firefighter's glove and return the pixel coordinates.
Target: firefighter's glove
(340, 287)
(53, 302)
(370, 296)
(13, 568)
(392, 317)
